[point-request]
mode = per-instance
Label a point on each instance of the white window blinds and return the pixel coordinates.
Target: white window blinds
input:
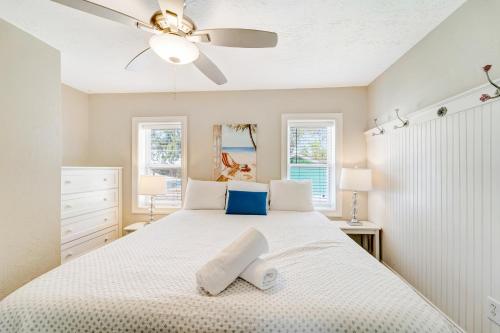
(160, 153)
(311, 156)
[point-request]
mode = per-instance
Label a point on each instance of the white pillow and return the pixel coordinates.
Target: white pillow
(205, 195)
(236, 185)
(291, 195)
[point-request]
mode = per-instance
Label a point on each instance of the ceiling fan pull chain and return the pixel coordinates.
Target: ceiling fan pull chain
(175, 83)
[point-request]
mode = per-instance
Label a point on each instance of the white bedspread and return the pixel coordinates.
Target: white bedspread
(145, 282)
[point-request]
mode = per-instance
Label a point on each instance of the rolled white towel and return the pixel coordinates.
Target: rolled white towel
(217, 274)
(260, 274)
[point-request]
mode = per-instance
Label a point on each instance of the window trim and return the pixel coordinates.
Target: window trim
(338, 119)
(135, 170)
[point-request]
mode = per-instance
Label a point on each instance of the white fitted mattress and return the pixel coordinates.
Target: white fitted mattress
(145, 282)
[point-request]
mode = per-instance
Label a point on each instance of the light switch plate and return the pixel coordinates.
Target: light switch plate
(493, 310)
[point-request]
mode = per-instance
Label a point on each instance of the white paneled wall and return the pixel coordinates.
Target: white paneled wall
(437, 196)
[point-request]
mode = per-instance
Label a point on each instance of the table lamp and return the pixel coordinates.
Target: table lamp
(152, 186)
(355, 180)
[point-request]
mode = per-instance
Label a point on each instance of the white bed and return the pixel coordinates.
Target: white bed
(145, 282)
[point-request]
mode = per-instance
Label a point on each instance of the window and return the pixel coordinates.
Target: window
(312, 150)
(159, 148)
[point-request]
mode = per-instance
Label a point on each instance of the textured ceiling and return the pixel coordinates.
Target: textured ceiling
(322, 43)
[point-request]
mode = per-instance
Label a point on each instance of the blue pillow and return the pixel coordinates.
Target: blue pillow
(246, 203)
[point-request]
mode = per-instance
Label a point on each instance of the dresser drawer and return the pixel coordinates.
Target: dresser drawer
(75, 181)
(81, 203)
(80, 248)
(82, 225)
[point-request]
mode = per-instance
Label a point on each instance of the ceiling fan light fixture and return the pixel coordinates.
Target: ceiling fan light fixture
(174, 49)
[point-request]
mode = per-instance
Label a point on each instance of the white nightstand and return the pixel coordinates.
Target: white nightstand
(367, 228)
(134, 227)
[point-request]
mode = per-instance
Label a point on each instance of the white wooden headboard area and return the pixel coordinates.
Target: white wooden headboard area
(437, 196)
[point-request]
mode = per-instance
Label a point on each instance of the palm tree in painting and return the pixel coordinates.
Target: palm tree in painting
(252, 128)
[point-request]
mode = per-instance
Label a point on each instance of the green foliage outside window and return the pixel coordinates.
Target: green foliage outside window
(166, 146)
(308, 145)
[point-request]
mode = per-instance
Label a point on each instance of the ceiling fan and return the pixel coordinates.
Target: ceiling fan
(174, 35)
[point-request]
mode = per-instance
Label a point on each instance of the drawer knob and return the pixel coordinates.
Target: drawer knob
(68, 231)
(106, 240)
(105, 199)
(67, 182)
(69, 255)
(105, 180)
(67, 206)
(105, 219)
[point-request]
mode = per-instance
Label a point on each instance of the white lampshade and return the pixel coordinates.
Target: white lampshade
(356, 179)
(152, 185)
(174, 49)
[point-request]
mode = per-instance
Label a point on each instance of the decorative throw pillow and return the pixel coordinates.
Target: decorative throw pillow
(246, 203)
(238, 185)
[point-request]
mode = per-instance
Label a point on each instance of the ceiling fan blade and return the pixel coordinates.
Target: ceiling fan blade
(105, 12)
(207, 67)
(139, 60)
(236, 37)
(173, 10)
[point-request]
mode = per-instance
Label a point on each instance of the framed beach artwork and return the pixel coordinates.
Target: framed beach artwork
(235, 152)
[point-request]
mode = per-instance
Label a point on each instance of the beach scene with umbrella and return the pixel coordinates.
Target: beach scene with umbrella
(235, 152)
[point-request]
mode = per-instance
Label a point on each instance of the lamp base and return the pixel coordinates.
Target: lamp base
(355, 222)
(151, 218)
(354, 219)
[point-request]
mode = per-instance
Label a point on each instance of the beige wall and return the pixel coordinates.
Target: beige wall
(30, 122)
(75, 126)
(447, 62)
(110, 126)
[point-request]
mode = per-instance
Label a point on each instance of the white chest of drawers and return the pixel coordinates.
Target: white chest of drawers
(91, 209)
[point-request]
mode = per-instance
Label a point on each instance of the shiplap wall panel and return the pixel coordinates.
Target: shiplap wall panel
(437, 197)
(496, 199)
